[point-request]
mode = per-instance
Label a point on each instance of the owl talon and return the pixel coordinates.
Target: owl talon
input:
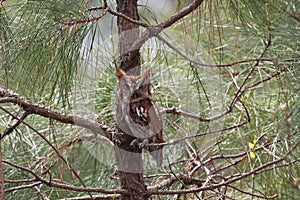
(141, 143)
(134, 142)
(144, 143)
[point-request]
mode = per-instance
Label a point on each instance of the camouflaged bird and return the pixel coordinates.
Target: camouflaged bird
(137, 114)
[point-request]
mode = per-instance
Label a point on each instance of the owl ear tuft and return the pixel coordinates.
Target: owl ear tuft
(146, 79)
(147, 73)
(120, 73)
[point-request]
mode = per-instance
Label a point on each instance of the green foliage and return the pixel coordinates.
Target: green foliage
(42, 58)
(41, 53)
(105, 96)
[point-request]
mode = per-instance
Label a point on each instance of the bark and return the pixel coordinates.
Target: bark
(129, 58)
(128, 158)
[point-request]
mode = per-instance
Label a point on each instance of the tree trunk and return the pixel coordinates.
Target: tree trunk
(128, 158)
(129, 59)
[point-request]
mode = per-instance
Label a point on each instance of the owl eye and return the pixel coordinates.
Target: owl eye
(127, 85)
(144, 88)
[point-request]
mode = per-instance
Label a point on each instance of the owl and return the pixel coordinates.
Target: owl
(137, 115)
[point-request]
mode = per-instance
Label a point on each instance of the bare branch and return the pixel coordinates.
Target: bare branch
(8, 96)
(23, 187)
(267, 79)
(8, 130)
(241, 156)
(239, 92)
(252, 194)
(188, 179)
(212, 65)
(154, 30)
(198, 134)
(97, 8)
(83, 21)
(181, 14)
(127, 18)
(52, 146)
(41, 193)
(65, 186)
(177, 111)
(20, 181)
(230, 179)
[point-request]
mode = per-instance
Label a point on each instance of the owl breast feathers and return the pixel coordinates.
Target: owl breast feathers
(137, 115)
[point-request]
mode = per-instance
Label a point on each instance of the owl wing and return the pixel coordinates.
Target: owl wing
(144, 113)
(156, 123)
(147, 118)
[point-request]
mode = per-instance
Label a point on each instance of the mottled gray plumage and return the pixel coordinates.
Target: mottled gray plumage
(137, 114)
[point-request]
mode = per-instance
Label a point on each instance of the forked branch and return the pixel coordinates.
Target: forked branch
(8, 96)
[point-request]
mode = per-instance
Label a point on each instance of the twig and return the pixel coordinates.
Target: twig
(239, 92)
(97, 8)
(176, 141)
(53, 147)
(127, 18)
(267, 79)
(154, 30)
(177, 111)
(83, 21)
(181, 14)
(187, 179)
(65, 186)
(252, 194)
(19, 181)
(41, 193)
(8, 130)
(229, 180)
(241, 89)
(224, 196)
(241, 156)
(212, 65)
(23, 187)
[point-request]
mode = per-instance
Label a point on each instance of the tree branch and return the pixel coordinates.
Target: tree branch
(8, 130)
(23, 187)
(154, 30)
(54, 184)
(8, 96)
(52, 146)
(113, 12)
(230, 179)
(41, 193)
(83, 21)
(261, 59)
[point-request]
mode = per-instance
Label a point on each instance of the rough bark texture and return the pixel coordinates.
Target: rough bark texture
(129, 59)
(129, 158)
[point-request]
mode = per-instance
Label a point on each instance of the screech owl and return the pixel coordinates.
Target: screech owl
(137, 115)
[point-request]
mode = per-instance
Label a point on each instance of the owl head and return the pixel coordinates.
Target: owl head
(134, 86)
